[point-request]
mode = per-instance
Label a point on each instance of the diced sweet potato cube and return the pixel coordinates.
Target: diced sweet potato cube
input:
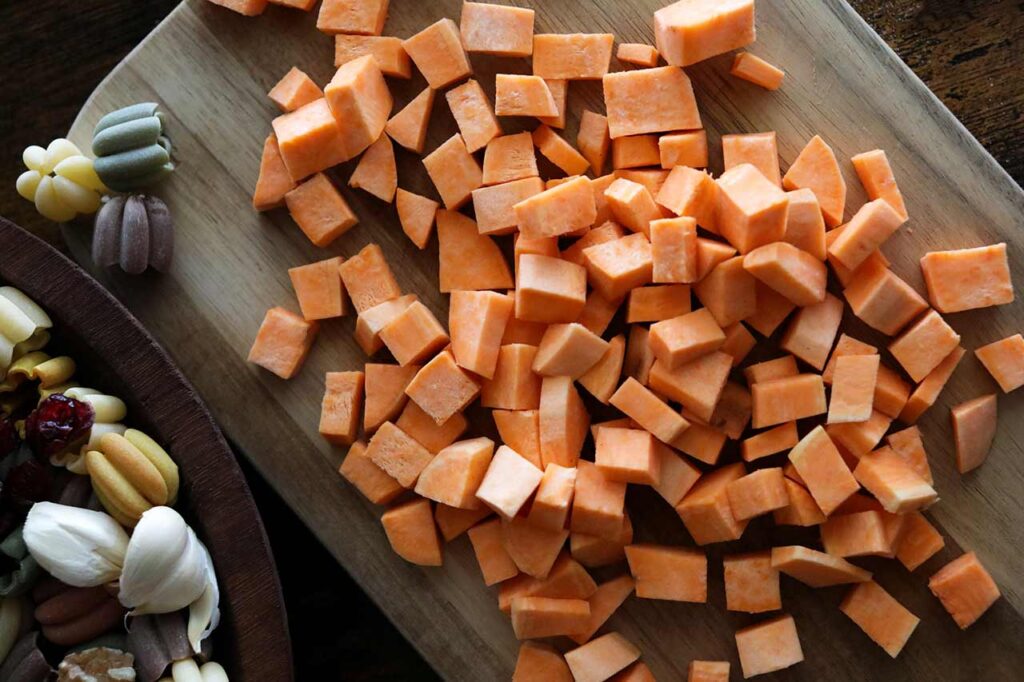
(635, 151)
(805, 227)
(1004, 360)
(594, 551)
(921, 541)
(295, 89)
(368, 478)
(453, 522)
(883, 300)
(497, 29)
(758, 149)
(469, 260)
(795, 274)
(649, 411)
(674, 250)
(495, 563)
(815, 568)
(598, 506)
(514, 386)
(756, 70)
(411, 531)
(779, 368)
(398, 454)
(822, 469)
(974, 429)
(283, 342)
(751, 210)
(442, 388)
(373, 319)
(802, 510)
(364, 17)
(688, 32)
(474, 115)
(924, 345)
(680, 340)
(649, 101)
(438, 53)
(733, 411)
(708, 671)
(638, 54)
(560, 210)
(632, 205)
(318, 289)
(564, 421)
(387, 51)
(705, 510)
(601, 379)
(341, 406)
(678, 476)
(523, 95)
(757, 493)
(550, 508)
(751, 583)
(598, 312)
(600, 658)
(893, 481)
(593, 140)
(684, 149)
(858, 534)
(769, 646)
(477, 322)
(274, 179)
(887, 622)
(907, 444)
(692, 193)
(533, 549)
(627, 456)
(652, 304)
(927, 392)
(409, 126)
(616, 267)
(535, 617)
(454, 172)
(310, 140)
(368, 278)
(787, 399)
(385, 393)
(510, 480)
(968, 279)
(428, 433)
(869, 228)
(360, 100)
(853, 388)
(568, 350)
(812, 331)
(559, 88)
(772, 309)
(454, 474)
(697, 385)
(414, 335)
(816, 168)
(965, 589)
(770, 442)
(377, 173)
(320, 211)
(669, 573)
(605, 600)
(728, 292)
(572, 56)
(508, 158)
(549, 289)
(878, 180)
(538, 661)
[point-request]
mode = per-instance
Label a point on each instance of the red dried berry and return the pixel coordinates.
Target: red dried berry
(8, 438)
(27, 483)
(56, 423)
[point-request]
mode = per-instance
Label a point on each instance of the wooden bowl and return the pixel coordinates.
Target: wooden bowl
(117, 355)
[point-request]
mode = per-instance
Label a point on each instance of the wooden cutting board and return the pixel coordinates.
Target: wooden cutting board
(210, 69)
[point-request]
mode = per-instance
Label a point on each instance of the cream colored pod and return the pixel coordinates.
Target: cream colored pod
(60, 180)
(23, 327)
(80, 547)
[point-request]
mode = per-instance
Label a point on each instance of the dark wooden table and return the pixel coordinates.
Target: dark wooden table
(51, 57)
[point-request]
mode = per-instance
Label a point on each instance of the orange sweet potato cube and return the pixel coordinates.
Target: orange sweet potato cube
(823, 470)
(593, 139)
(688, 32)
(650, 101)
(497, 29)
(751, 583)
(779, 368)
(653, 304)
(729, 292)
(869, 228)
(549, 289)
(813, 330)
(368, 478)
(669, 573)
(816, 168)
(598, 506)
(453, 476)
(708, 671)
(795, 274)
(523, 95)
(878, 180)
(594, 551)
(887, 622)
(576, 56)
(787, 399)
(510, 480)
(361, 102)
(858, 534)
(274, 180)
(758, 149)
(684, 149)
(409, 126)
(674, 250)
(283, 342)
(364, 17)
(752, 211)
(616, 267)
(368, 278)
(924, 345)
(438, 53)
(974, 429)
(965, 589)
(697, 385)
(705, 510)
(853, 388)
(635, 151)
(468, 260)
(318, 289)
(535, 617)
(540, 661)
(495, 563)
(757, 493)
(387, 52)
(559, 88)
(927, 392)
(550, 508)
(632, 205)
(802, 510)
(520, 430)
(921, 541)
(398, 454)
(513, 385)
(968, 279)
(558, 151)
(769, 646)
(320, 210)
(477, 320)
(601, 658)
(815, 568)
(411, 531)
(564, 421)
(604, 601)
(649, 411)
(568, 350)
(682, 339)
(454, 172)
(385, 393)
(691, 193)
(414, 335)
(756, 70)
(428, 433)
(474, 115)
(677, 474)
(1004, 360)
(508, 158)
(559, 210)
(295, 89)
(627, 456)
(805, 227)
(894, 482)
(638, 54)
(883, 300)
(601, 379)
(770, 442)
(442, 388)
(310, 139)
(341, 406)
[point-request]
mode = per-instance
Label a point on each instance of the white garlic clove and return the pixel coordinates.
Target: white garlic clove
(164, 567)
(204, 613)
(80, 547)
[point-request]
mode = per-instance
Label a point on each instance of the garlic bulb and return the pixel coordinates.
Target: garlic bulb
(204, 613)
(165, 566)
(80, 547)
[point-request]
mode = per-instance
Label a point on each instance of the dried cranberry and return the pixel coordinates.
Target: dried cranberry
(58, 422)
(8, 438)
(27, 483)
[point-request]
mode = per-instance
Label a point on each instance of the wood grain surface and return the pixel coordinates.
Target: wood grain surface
(231, 266)
(119, 357)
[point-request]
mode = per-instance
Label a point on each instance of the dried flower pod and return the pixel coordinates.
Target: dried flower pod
(25, 662)
(97, 664)
(135, 232)
(74, 615)
(131, 148)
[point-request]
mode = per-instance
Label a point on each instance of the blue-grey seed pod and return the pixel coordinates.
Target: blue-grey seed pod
(131, 148)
